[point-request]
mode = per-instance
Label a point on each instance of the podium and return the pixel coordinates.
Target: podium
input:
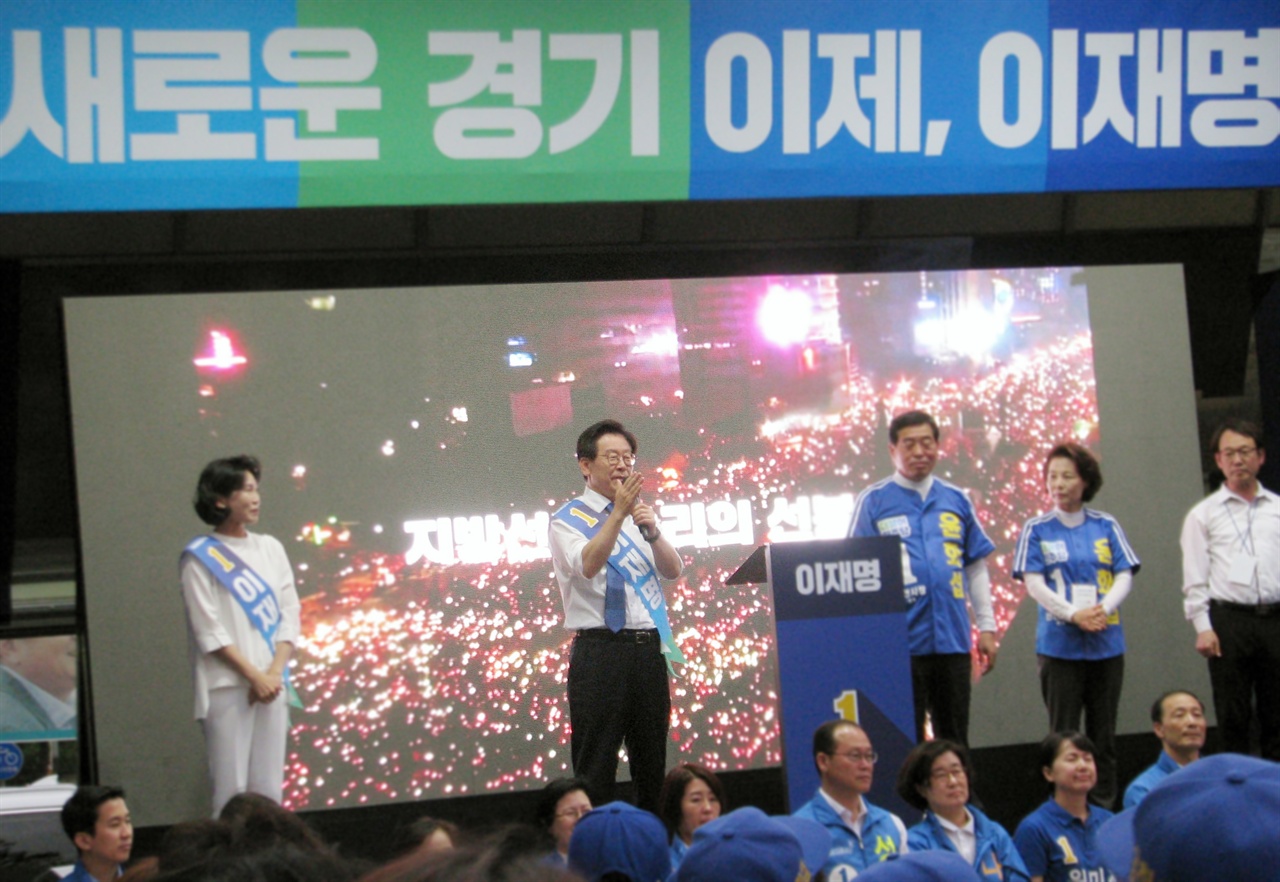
(841, 651)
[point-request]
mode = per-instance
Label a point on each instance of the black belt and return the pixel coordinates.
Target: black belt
(626, 635)
(1261, 610)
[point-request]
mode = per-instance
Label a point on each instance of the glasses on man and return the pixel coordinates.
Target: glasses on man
(860, 756)
(911, 445)
(613, 458)
(1243, 452)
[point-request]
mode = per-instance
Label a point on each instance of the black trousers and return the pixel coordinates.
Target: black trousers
(1249, 668)
(1090, 688)
(618, 694)
(941, 685)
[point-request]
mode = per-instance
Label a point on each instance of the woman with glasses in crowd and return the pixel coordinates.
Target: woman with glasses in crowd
(936, 777)
(561, 805)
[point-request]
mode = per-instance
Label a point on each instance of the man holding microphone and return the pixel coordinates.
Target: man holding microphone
(609, 554)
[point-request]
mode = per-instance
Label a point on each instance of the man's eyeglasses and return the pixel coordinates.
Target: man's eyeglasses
(613, 458)
(1232, 452)
(858, 756)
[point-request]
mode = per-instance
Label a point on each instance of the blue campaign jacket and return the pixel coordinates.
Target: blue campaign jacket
(881, 836)
(996, 856)
(1154, 774)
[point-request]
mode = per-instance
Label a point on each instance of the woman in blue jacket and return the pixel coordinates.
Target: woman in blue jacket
(935, 778)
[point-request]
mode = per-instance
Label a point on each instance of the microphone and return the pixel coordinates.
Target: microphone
(650, 533)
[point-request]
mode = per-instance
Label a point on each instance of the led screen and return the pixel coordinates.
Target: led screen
(415, 441)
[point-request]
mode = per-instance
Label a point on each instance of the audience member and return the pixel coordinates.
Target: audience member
(428, 835)
(861, 833)
(922, 866)
(936, 777)
(620, 843)
(258, 823)
(691, 796)
(191, 842)
(509, 854)
(561, 805)
(1177, 718)
(746, 844)
(1058, 841)
(97, 821)
(1216, 819)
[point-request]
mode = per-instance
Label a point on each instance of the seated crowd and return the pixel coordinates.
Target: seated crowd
(1184, 818)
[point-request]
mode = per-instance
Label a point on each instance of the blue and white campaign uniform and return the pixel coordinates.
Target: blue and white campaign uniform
(1072, 561)
(995, 857)
(878, 835)
(1079, 559)
(1059, 847)
(245, 742)
(80, 873)
(1150, 777)
(943, 571)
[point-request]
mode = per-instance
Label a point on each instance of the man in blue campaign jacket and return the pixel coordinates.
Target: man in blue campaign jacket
(1177, 718)
(861, 833)
(944, 552)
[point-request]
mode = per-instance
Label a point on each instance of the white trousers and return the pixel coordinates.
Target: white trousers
(246, 744)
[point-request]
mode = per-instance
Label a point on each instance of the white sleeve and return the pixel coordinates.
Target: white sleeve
(980, 594)
(1120, 589)
(200, 595)
(1195, 571)
(1053, 603)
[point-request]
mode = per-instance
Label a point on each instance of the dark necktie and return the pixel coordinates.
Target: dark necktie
(615, 594)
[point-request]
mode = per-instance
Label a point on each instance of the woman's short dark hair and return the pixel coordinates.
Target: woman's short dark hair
(1085, 462)
(1053, 742)
(545, 811)
(918, 766)
(674, 786)
(220, 479)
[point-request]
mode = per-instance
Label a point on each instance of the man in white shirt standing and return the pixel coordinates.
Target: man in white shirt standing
(1231, 585)
(609, 554)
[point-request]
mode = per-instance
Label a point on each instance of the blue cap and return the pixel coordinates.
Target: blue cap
(747, 845)
(922, 866)
(1217, 818)
(620, 838)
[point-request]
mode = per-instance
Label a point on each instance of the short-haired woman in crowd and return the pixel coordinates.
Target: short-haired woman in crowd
(691, 796)
(936, 777)
(561, 805)
(1058, 840)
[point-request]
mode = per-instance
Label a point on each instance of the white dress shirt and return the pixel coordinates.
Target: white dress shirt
(1220, 529)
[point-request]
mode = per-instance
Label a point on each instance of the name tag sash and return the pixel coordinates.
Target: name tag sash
(630, 562)
(248, 589)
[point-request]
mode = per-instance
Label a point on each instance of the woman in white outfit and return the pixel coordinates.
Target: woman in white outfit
(243, 619)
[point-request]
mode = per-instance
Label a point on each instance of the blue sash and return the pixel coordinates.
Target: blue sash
(630, 562)
(249, 590)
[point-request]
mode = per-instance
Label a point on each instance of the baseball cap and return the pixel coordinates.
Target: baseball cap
(1217, 818)
(921, 866)
(746, 844)
(620, 838)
